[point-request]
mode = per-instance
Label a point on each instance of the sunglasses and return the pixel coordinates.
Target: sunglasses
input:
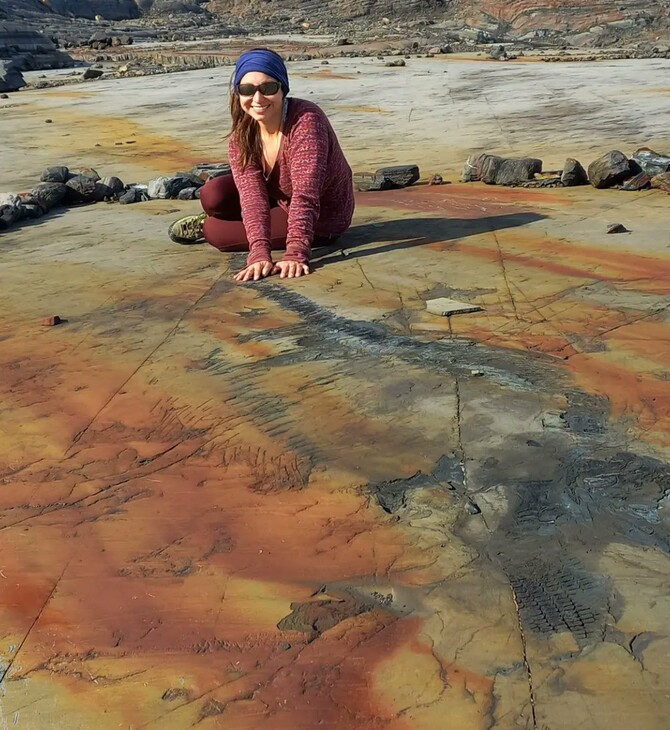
(267, 88)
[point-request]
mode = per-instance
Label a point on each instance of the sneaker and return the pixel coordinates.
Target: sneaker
(188, 229)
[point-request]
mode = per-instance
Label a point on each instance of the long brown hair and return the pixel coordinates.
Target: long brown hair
(245, 132)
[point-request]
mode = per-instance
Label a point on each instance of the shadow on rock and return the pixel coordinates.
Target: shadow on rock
(396, 235)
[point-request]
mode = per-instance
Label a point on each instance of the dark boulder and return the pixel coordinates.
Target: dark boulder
(112, 186)
(517, 170)
(56, 174)
(610, 169)
(92, 73)
(573, 173)
(11, 79)
(49, 194)
(195, 180)
(81, 189)
(387, 178)
(10, 210)
(489, 168)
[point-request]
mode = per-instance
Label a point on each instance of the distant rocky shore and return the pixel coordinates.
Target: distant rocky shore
(169, 35)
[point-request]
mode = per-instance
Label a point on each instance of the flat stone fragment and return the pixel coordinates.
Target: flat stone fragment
(445, 307)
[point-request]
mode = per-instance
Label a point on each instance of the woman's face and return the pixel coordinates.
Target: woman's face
(266, 108)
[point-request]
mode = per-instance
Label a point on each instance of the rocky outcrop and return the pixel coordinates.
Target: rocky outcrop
(10, 78)
(107, 9)
(30, 50)
(544, 18)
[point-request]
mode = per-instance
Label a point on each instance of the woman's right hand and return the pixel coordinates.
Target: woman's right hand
(256, 271)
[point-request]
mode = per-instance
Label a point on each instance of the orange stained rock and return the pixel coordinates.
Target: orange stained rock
(85, 131)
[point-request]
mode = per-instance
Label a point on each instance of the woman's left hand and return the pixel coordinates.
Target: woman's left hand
(290, 269)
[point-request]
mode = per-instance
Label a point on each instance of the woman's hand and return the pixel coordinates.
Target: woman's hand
(290, 269)
(256, 271)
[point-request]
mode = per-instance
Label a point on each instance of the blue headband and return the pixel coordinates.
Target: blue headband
(264, 61)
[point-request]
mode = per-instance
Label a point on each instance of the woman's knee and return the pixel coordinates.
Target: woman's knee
(220, 199)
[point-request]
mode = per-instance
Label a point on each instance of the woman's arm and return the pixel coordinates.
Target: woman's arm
(255, 205)
(308, 156)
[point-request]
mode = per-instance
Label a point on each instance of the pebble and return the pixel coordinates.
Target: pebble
(52, 321)
(472, 508)
(617, 228)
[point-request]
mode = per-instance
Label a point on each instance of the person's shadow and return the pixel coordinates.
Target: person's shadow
(395, 235)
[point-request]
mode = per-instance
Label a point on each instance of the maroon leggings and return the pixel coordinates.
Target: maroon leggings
(224, 229)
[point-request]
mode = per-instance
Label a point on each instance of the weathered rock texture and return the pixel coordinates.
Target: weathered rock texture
(596, 23)
(30, 50)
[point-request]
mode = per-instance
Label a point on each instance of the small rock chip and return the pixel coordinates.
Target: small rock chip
(48, 121)
(92, 73)
(472, 508)
(52, 321)
(617, 228)
(444, 307)
(395, 64)
(436, 180)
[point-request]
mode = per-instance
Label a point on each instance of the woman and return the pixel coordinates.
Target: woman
(291, 186)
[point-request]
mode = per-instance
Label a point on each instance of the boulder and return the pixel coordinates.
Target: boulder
(662, 181)
(472, 171)
(49, 194)
(157, 188)
(11, 79)
(129, 196)
(187, 194)
(196, 181)
(30, 206)
(573, 173)
(10, 210)
(92, 73)
(498, 54)
(641, 181)
(651, 162)
(514, 171)
(207, 170)
(112, 186)
(88, 172)
(56, 174)
(387, 178)
(610, 169)
(81, 189)
(169, 187)
(489, 168)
